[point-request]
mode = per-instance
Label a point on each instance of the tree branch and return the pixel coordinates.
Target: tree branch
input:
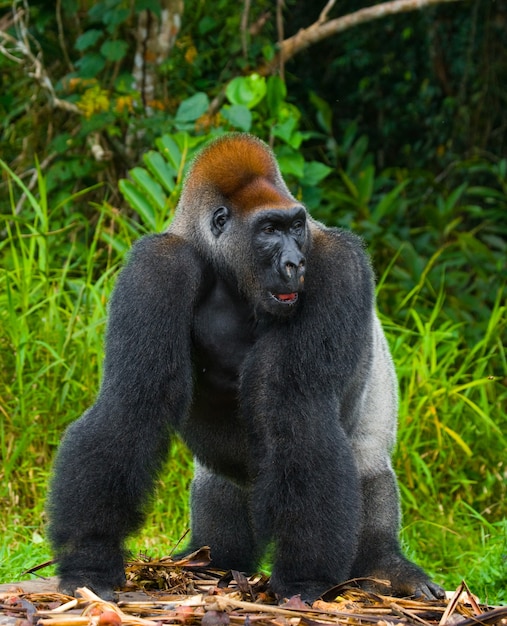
(279, 30)
(20, 51)
(244, 27)
(322, 28)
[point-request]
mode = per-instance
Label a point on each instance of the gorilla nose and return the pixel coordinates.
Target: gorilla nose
(293, 270)
(292, 264)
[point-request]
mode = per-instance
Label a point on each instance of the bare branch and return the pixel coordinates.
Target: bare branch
(19, 50)
(279, 30)
(325, 11)
(244, 27)
(322, 28)
(61, 35)
(255, 28)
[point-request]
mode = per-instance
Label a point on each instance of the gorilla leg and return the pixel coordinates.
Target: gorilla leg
(315, 538)
(379, 554)
(220, 519)
(372, 437)
(306, 500)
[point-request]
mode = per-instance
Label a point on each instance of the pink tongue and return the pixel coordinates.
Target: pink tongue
(286, 296)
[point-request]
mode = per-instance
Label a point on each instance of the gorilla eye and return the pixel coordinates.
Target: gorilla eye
(269, 229)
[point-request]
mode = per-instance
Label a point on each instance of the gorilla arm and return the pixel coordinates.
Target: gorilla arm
(109, 458)
(373, 432)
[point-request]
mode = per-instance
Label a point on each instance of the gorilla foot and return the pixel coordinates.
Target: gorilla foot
(424, 589)
(309, 591)
(406, 578)
(94, 564)
(430, 590)
(102, 588)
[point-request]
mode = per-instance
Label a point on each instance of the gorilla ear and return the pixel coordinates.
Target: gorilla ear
(219, 220)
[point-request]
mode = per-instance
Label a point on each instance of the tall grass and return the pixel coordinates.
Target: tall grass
(450, 456)
(57, 272)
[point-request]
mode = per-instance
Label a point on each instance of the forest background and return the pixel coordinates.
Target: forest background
(386, 120)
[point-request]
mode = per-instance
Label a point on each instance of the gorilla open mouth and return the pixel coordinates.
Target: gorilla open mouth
(286, 298)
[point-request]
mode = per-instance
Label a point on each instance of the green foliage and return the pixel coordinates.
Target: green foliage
(423, 86)
(246, 91)
(153, 192)
(192, 108)
(417, 100)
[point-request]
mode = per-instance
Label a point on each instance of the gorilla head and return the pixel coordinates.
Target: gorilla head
(249, 225)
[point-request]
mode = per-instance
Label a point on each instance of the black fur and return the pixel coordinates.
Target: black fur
(257, 342)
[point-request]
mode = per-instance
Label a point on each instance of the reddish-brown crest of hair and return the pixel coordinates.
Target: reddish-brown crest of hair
(243, 171)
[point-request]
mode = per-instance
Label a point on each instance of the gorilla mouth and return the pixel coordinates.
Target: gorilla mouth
(286, 298)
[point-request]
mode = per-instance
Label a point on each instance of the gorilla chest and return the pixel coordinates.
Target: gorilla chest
(222, 337)
(223, 333)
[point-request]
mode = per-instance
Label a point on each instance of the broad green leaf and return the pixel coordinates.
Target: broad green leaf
(487, 192)
(160, 170)
(388, 202)
(246, 90)
(137, 200)
(192, 108)
(97, 10)
(170, 150)
(454, 197)
(365, 181)
(91, 65)
(238, 116)
(349, 184)
(285, 129)
(357, 155)
(276, 92)
(150, 187)
(343, 200)
(88, 39)
(315, 172)
(114, 50)
(115, 17)
(61, 143)
(98, 121)
(296, 139)
(268, 52)
(206, 24)
(324, 112)
(291, 162)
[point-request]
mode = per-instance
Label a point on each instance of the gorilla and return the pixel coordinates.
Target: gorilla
(249, 329)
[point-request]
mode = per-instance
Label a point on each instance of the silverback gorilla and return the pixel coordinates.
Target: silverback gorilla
(249, 329)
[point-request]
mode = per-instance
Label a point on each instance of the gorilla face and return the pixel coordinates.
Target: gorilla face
(269, 247)
(280, 241)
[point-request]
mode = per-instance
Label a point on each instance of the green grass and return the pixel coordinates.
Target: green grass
(450, 456)
(57, 272)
